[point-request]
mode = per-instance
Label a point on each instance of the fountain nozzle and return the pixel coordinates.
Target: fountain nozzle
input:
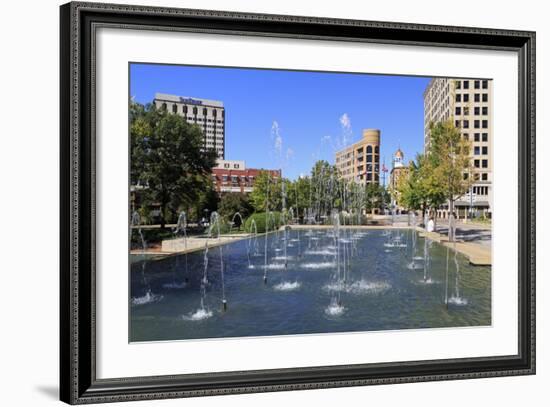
(224, 302)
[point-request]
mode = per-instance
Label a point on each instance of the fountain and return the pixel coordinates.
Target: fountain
(149, 295)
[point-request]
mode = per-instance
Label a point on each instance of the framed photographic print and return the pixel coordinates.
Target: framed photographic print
(256, 203)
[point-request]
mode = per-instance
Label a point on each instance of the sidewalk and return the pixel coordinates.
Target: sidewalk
(478, 254)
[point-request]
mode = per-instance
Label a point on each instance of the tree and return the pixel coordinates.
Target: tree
(298, 193)
(267, 192)
(375, 196)
(231, 203)
(167, 160)
(450, 163)
(420, 188)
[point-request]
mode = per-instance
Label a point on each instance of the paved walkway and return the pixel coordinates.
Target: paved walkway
(474, 245)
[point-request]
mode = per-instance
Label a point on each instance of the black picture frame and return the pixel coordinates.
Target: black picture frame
(78, 382)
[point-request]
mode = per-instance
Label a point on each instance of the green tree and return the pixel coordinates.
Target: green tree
(231, 203)
(375, 196)
(167, 160)
(267, 192)
(449, 158)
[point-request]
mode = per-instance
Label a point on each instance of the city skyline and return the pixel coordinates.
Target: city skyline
(290, 119)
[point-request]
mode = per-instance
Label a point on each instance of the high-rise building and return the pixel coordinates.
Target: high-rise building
(208, 114)
(360, 162)
(468, 103)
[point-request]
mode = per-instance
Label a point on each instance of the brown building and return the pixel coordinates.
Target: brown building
(233, 176)
(397, 172)
(360, 162)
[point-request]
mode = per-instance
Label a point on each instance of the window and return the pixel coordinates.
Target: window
(476, 136)
(174, 108)
(476, 84)
(457, 111)
(458, 97)
(369, 149)
(484, 163)
(465, 136)
(215, 113)
(457, 123)
(484, 137)
(476, 150)
(369, 158)
(466, 110)
(204, 111)
(184, 109)
(477, 97)
(457, 84)
(484, 97)
(484, 150)
(465, 124)
(484, 176)
(485, 124)
(376, 150)
(466, 84)
(476, 163)
(369, 176)
(195, 110)
(485, 84)
(476, 124)
(476, 110)
(226, 165)
(485, 110)
(164, 107)
(466, 98)
(236, 166)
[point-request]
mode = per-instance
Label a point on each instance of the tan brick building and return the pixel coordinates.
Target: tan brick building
(360, 162)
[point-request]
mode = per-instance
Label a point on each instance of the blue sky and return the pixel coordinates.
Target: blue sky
(289, 119)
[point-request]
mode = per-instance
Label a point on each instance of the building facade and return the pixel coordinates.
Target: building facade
(398, 170)
(208, 114)
(468, 103)
(233, 176)
(360, 162)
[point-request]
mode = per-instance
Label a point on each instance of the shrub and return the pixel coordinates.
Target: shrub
(259, 218)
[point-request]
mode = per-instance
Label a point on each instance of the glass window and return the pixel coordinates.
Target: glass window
(466, 98)
(476, 150)
(466, 84)
(477, 97)
(465, 124)
(174, 108)
(484, 97)
(376, 150)
(485, 110)
(484, 176)
(476, 84)
(457, 111)
(484, 124)
(457, 84)
(476, 124)
(476, 110)
(476, 136)
(369, 149)
(476, 163)
(484, 163)
(485, 84)
(484, 150)
(458, 97)
(485, 137)
(164, 107)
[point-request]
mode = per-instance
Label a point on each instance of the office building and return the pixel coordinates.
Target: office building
(468, 103)
(208, 114)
